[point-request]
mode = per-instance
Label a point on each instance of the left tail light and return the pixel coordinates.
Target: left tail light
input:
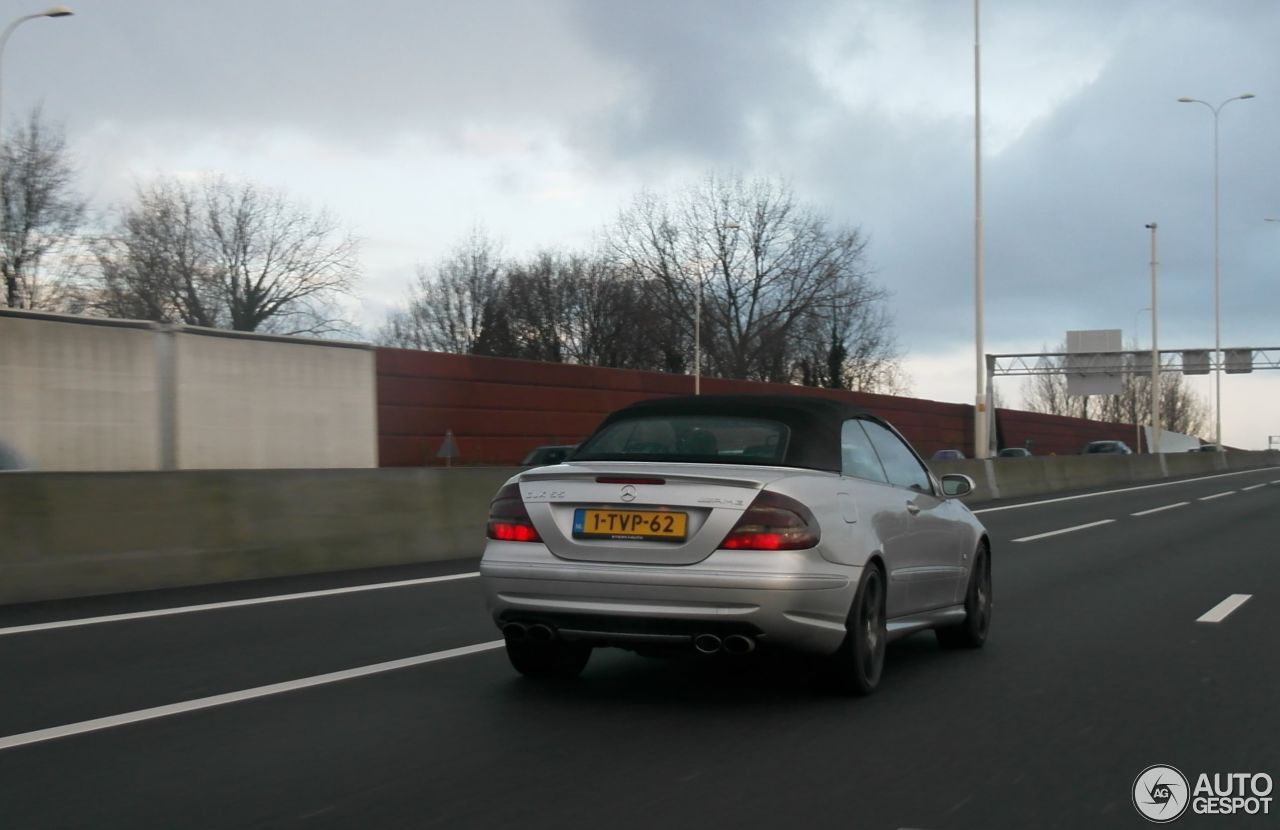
(774, 522)
(508, 519)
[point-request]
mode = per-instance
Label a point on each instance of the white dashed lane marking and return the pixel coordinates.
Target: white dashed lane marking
(1159, 509)
(1219, 612)
(1064, 530)
(235, 603)
(154, 712)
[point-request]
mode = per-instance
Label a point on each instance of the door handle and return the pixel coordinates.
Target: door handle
(912, 508)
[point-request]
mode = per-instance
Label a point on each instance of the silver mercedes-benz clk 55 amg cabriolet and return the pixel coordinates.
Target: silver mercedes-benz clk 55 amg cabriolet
(727, 523)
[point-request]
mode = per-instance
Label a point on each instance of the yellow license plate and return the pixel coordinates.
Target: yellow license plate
(665, 525)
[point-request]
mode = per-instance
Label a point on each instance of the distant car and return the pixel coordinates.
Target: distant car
(727, 524)
(543, 456)
(1014, 452)
(948, 455)
(1106, 448)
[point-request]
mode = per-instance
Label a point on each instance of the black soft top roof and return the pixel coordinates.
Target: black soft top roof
(814, 422)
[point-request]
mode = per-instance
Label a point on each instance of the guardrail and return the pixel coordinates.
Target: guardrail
(79, 534)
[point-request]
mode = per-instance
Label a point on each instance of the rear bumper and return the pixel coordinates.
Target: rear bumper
(794, 599)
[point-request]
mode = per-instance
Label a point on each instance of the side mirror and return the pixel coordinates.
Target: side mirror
(955, 484)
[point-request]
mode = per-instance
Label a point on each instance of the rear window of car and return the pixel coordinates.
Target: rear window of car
(713, 439)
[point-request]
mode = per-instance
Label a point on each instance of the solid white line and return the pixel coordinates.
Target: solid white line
(1121, 490)
(96, 724)
(1219, 612)
(1216, 496)
(1064, 530)
(1158, 509)
(1253, 487)
(235, 603)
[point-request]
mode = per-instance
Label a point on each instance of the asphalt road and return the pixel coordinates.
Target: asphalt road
(1096, 668)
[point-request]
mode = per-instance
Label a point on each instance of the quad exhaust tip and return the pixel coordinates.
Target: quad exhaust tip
(515, 632)
(540, 633)
(707, 643)
(739, 644)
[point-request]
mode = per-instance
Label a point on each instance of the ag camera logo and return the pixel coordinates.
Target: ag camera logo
(1160, 793)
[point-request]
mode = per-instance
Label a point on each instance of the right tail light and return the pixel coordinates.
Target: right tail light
(774, 522)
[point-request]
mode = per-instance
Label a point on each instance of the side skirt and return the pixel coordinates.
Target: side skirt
(899, 627)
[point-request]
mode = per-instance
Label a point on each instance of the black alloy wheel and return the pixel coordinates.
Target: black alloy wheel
(859, 662)
(972, 633)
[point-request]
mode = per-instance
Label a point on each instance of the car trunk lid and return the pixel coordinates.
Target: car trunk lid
(633, 512)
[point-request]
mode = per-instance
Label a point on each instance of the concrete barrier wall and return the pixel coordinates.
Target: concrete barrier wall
(85, 394)
(81, 534)
(1011, 478)
(79, 396)
(253, 403)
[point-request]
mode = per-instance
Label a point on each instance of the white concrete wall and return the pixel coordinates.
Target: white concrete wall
(75, 396)
(78, 394)
(262, 403)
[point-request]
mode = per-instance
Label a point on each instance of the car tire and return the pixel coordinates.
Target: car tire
(972, 633)
(548, 660)
(858, 663)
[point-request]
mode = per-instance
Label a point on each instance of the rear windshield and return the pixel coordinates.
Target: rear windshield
(711, 439)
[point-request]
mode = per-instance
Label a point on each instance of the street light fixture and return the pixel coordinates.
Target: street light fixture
(55, 11)
(1217, 270)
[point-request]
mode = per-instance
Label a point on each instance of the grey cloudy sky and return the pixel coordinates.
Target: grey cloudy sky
(539, 118)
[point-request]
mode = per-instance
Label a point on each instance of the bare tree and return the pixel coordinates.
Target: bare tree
(237, 256)
(832, 356)
(446, 309)
(155, 267)
(534, 301)
(777, 280)
(275, 265)
(1181, 409)
(578, 308)
(614, 319)
(782, 292)
(40, 214)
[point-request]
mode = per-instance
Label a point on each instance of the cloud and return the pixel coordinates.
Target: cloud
(703, 80)
(347, 71)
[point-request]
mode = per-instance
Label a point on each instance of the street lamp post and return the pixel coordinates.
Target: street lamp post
(1217, 271)
(1155, 350)
(56, 11)
(981, 432)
